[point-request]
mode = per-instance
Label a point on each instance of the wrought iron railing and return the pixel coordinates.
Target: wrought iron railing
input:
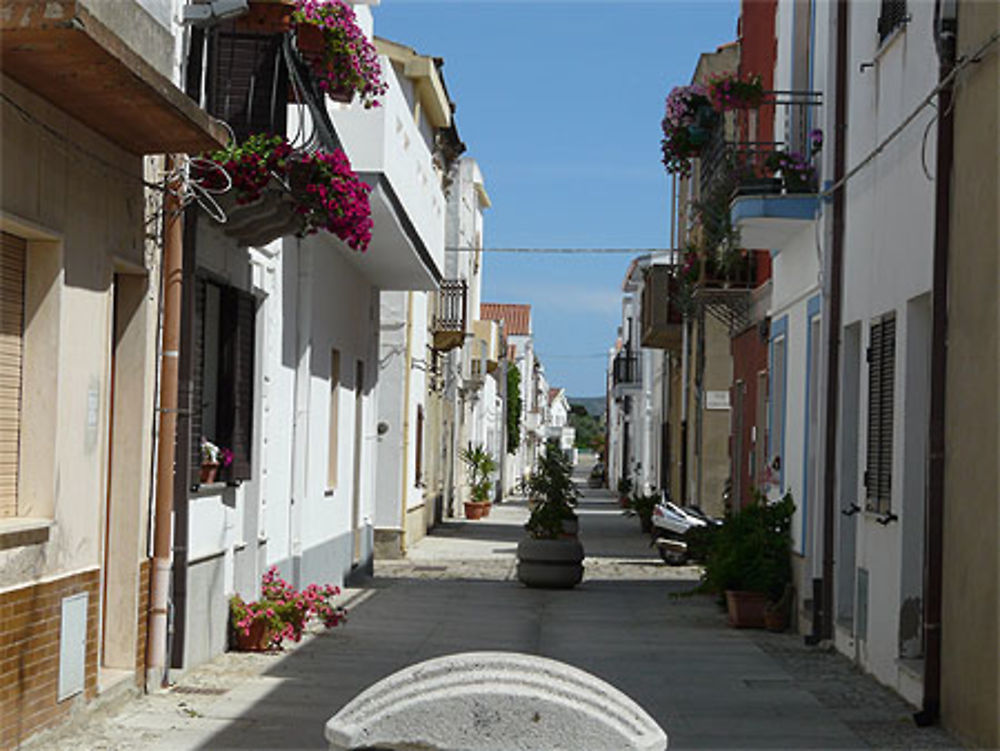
(452, 301)
(743, 157)
(625, 369)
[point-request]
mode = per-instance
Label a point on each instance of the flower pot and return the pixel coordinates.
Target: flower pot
(209, 470)
(257, 640)
(489, 507)
(550, 564)
(570, 527)
(310, 40)
(775, 619)
(746, 609)
(646, 524)
(267, 17)
(475, 510)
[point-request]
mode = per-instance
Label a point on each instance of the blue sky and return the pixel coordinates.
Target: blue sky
(560, 102)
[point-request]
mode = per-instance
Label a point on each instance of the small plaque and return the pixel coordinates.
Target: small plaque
(716, 400)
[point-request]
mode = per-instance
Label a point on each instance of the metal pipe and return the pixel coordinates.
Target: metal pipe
(834, 303)
(934, 523)
(407, 367)
(173, 271)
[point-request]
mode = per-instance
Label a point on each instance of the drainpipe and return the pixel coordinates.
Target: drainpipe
(173, 270)
(300, 426)
(685, 363)
(934, 525)
(834, 303)
(407, 365)
(502, 356)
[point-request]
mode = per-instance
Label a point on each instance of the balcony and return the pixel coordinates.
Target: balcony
(449, 323)
(626, 375)
(486, 344)
(388, 150)
(62, 53)
(768, 186)
(662, 320)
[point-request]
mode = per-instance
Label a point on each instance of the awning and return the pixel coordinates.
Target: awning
(61, 52)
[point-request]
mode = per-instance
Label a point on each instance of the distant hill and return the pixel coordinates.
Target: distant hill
(594, 405)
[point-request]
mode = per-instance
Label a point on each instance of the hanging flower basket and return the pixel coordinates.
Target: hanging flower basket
(730, 92)
(687, 126)
(346, 63)
(325, 192)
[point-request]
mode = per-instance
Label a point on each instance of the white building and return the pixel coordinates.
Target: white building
(884, 362)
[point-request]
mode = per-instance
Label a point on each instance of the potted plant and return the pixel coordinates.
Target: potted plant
(686, 126)
(282, 612)
(624, 491)
(750, 559)
(728, 91)
(267, 189)
(481, 465)
(797, 174)
(212, 459)
(642, 506)
(343, 61)
(550, 555)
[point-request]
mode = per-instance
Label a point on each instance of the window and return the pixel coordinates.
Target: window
(222, 378)
(12, 260)
(881, 379)
(891, 15)
(331, 459)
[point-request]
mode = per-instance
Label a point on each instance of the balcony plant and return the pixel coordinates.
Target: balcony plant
(213, 458)
(686, 126)
(281, 613)
(550, 555)
(481, 465)
(749, 560)
(728, 91)
(344, 62)
(797, 173)
(320, 188)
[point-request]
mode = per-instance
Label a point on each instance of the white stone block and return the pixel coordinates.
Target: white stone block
(494, 701)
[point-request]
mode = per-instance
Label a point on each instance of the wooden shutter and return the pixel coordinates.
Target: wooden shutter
(420, 445)
(236, 352)
(247, 82)
(881, 393)
(12, 260)
(197, 376)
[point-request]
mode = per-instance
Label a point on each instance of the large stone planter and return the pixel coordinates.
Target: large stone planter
(550, 564)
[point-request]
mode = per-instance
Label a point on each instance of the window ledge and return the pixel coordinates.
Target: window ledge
(21, 531)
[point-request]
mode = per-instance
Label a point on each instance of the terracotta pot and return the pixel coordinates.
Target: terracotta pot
(208, 472)
(258, 640)
(310, 40)
(267, 17)
(746, 609)
(489, 507)
(474, 510)
(775, 619)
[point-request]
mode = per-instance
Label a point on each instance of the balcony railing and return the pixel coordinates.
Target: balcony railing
(743, 157)
(625, 369)
(449, 325)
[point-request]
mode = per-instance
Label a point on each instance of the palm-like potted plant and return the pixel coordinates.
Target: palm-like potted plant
(550, 555)
(750, 560)
(481, 465)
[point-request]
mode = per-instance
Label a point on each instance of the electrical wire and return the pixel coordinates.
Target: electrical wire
(962, 64)
(564, 251)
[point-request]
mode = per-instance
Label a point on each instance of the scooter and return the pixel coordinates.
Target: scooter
(671, 523)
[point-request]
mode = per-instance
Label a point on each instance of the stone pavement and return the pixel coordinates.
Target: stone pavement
(709, 686)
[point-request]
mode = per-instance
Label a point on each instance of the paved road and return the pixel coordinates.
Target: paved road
(709, 686)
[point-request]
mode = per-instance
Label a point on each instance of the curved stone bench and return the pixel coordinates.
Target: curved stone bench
(493, 701)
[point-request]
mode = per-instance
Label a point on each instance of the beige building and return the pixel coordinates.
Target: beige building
(970, 624)
(79, 298)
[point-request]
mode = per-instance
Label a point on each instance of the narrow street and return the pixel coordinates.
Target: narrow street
(708, 685)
